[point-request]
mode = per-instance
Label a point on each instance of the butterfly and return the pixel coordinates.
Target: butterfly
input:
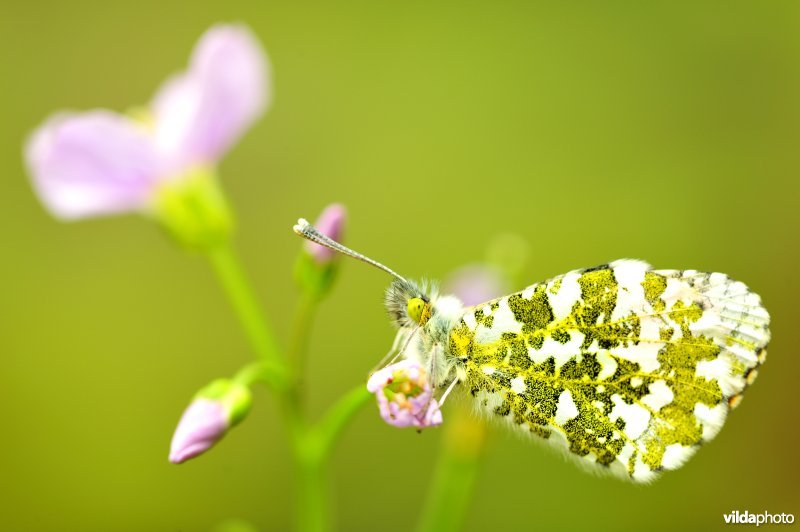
(626, 368)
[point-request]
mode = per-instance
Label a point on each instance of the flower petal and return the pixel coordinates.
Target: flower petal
(91, 164)
(200, 113)
(433, 415)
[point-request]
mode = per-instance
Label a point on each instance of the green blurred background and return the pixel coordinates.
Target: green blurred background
(595, 130)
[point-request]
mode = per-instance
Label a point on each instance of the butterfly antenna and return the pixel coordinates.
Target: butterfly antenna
(308, 231)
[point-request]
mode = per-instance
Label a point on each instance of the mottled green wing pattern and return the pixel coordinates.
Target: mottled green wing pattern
(628, 368)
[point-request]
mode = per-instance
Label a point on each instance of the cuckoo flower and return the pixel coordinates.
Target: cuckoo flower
(404, 395)
(215, 409)
(100, 162)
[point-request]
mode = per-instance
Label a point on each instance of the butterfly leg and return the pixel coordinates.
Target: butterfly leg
(447, 392)
(432, 366)
(393, 352)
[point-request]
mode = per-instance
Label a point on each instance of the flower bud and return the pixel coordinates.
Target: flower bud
(215, 409)
(405, 397)
(316, 268)
(331, 224)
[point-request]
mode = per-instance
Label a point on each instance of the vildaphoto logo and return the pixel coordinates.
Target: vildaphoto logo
(765, 518)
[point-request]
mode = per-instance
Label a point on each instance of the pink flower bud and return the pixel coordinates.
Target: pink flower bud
(404, 395)
(202, 425)
(331, 224)
(215, 409)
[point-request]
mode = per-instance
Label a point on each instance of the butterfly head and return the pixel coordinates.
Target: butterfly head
(408, 303)
(423, 316)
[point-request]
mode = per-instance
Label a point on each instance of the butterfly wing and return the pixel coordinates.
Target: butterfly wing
(627, 368)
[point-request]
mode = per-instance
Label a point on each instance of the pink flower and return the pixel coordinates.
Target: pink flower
(100, 162)
(331, 224)
(476, 284)
(404, 395)
(214, 410)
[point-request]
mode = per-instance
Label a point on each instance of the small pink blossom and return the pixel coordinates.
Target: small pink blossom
(331, 224)
(100, 162)
(405, 397)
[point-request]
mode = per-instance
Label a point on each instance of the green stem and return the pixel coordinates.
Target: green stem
(272, 369)
(455, 474)
(313, 454)
(312, 445)
(312, 489)
(301, 328)
(449, 495)
(256, 372)
(334, 422)
(234, 281)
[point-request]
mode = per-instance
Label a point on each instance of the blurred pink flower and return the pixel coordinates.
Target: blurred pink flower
(404, 395)
(331, 224)
(100, 162)
(475, 284)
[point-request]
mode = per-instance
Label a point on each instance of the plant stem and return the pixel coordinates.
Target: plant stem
(313, 454)
(455, 474)
(272, 369)
(331, 426)
(254, 372)
(312, 487)
(311, 445)
(301, 328)
(234, 281)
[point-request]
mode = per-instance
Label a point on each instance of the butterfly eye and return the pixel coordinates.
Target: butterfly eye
(418, 310)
